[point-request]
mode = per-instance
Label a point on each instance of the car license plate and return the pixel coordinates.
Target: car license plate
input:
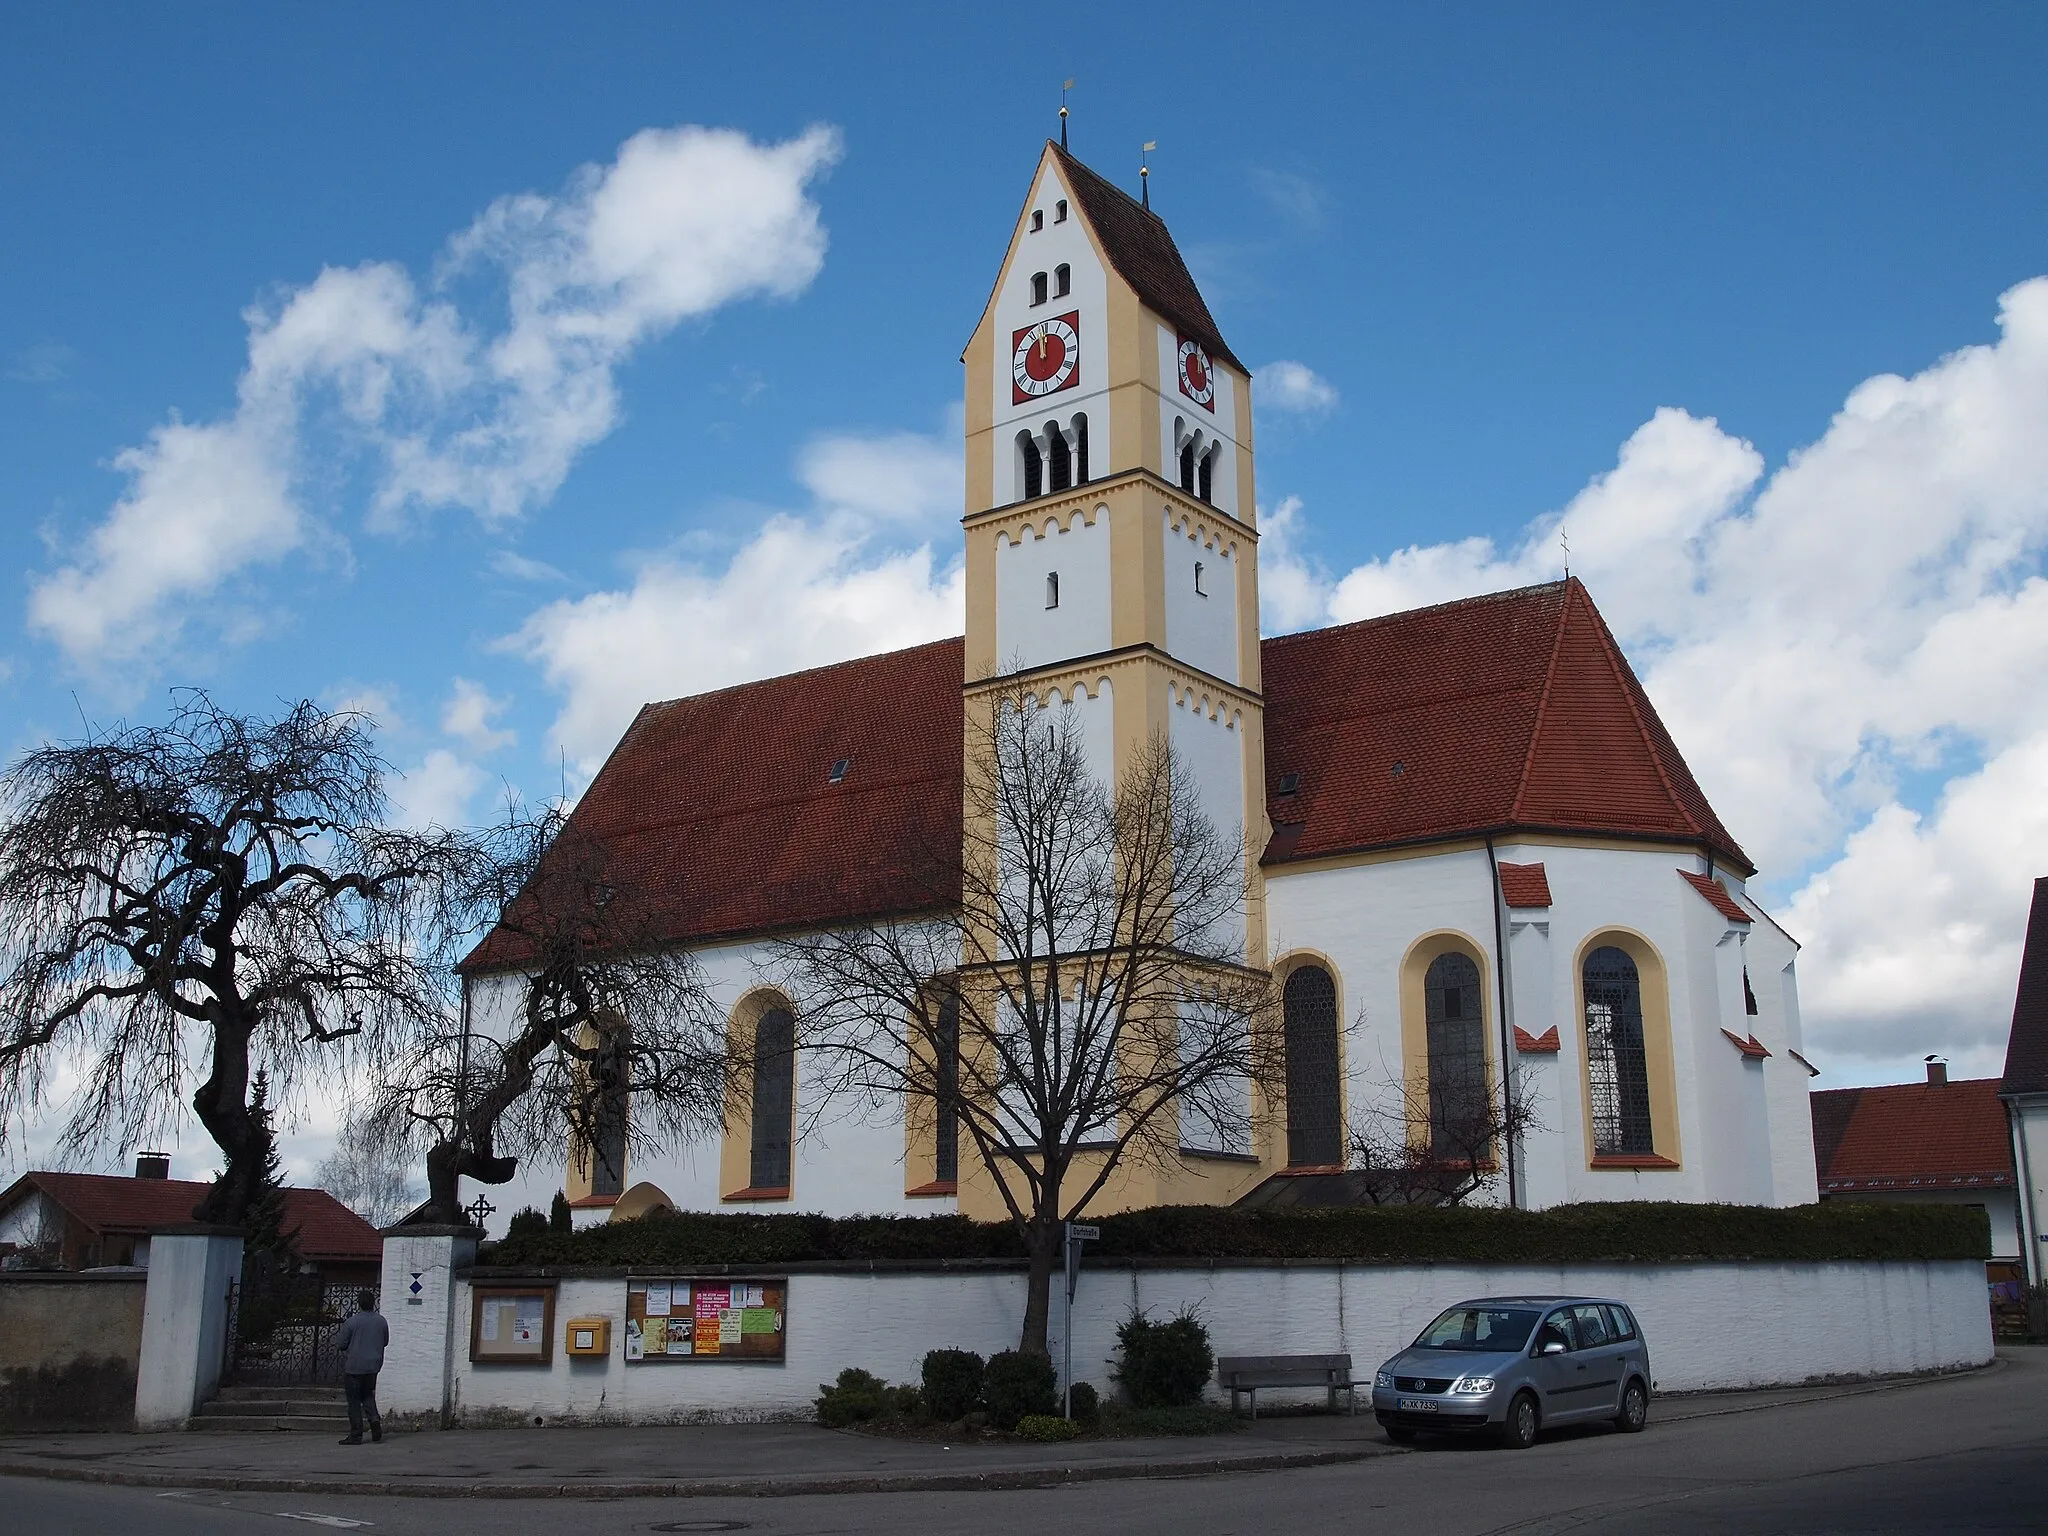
(1417, 1405)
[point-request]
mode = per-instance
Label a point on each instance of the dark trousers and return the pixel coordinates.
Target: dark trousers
(361, 1392)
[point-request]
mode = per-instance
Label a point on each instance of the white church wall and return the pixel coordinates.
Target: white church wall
(1181, 417)
(1740, 1136)
(1213, 750)
(1201, 600)
(1801, 1323)
(1030, 633)
(1045, 250)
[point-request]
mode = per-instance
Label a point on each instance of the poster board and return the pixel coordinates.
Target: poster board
(512, 1324)
(682, 1318)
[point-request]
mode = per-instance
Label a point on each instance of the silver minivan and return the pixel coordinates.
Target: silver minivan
(1511, 1366)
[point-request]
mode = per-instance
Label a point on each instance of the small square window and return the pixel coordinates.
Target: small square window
(839, 769)
(1289, 783)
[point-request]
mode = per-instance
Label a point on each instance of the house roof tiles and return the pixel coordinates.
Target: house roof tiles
(1911, 1135)
(2026, 1049)
(117, 1205)
(1525, 885)
(1717, 897)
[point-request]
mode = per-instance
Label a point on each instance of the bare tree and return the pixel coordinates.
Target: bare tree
(1415, 1146)
(370, 1173)
(217, 891)
(1076, 1000)
(607, 1040)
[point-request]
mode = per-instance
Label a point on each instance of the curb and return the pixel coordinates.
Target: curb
(757, 1488)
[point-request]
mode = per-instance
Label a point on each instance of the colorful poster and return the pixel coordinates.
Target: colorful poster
(711, 1303)
(760, 1319)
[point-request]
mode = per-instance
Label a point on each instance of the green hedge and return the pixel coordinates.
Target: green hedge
(1606, 1232)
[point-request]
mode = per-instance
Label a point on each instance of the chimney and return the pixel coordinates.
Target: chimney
(152, 1165)
(1937, 1074)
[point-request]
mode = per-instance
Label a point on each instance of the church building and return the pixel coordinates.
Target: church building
(1473, 848)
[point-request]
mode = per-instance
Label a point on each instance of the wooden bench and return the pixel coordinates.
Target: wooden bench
(1248, 1373)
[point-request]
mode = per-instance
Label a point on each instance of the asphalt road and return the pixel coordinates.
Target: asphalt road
(1966, 1454)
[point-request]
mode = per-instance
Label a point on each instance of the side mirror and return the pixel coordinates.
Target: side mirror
(1552, 1347)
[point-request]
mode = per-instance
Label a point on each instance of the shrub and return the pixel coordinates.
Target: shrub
(1611, 1232)
(1163, 1365)
(526, 1223)
(1084, 1405)
(1016, 1385)
(1045, 1426)
(855, 1398)
(952, 1383)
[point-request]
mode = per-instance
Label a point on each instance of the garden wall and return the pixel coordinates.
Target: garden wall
(1709, 1325)
(69, 1345)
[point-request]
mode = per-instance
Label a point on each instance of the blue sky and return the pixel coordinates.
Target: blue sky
(1494, 244)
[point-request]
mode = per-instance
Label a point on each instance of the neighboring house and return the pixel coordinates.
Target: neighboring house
(1937, 1143)
(1472, 846)
(2025, 1088)
(93, 1220)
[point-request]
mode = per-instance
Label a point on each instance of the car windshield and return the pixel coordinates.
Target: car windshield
(1495, 1329)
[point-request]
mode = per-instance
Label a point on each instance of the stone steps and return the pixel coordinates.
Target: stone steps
(279, 1407)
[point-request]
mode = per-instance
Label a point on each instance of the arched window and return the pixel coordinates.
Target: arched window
(1206, 476)
(1038, 287)
(1081, 450)
(774, 1099)
(1059, 211)
(1315, 1109)
(1617, 1070)
(1062, 281)
(1033, 465)
(1454, 1015)
(1037, 220)
(1061, 455)
(1187, 466)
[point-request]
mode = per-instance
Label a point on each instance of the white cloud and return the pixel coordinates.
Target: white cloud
(468, 714)
(803, 591)
(518, 567)
(1293, 387)
(446, 413)
(437, 791)
(1873, 611)
(1293, 588)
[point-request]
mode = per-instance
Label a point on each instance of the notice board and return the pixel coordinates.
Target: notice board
(688, 1318)
(512, 1325)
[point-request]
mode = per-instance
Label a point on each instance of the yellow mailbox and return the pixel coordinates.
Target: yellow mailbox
(588, 1336)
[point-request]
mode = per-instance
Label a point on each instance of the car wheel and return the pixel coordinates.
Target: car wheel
(1400, 1434)
(1519, 1432)
(1635, 1409)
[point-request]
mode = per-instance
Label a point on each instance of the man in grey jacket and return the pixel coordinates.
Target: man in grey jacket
(362, 1340)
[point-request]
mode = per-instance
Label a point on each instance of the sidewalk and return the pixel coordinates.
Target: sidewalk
(761, 1460)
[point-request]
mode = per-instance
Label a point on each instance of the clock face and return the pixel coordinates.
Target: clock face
(1197, 374)
(1045, 358)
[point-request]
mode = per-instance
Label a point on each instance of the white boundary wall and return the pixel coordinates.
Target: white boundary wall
(1708, 1325)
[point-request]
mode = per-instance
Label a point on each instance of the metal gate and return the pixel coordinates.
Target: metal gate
(284, 1329)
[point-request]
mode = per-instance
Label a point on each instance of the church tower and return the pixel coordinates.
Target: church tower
(1111, 545)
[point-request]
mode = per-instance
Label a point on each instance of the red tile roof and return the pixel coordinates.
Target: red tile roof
(1544, 1044)
(1751, 1048)
(1513, 711)
(1717, 895)
(1500, 713)
(116, 1205)
(1139, 246)
(2026, 1049)
(1911, 1135)
(1525, 885)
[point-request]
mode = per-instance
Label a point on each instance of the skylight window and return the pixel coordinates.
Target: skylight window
(839, 768)
(1289, 783)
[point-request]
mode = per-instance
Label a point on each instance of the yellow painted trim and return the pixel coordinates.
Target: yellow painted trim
(1659, 1062)
(1415, 966)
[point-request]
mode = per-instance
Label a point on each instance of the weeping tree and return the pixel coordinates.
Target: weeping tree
(592, 1032)
(182, 903)
(1075, 1004)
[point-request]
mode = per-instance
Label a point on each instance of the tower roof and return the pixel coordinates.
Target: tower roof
(1139, 246)
(2026, 1049)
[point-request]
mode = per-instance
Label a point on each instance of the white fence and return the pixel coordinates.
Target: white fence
(1708, 1325)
